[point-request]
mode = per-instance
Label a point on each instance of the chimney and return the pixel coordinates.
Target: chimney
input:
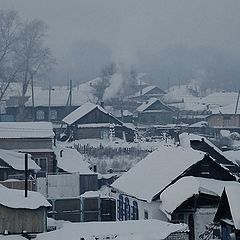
(102, 104)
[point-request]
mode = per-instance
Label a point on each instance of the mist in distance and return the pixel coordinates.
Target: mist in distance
(172, 41)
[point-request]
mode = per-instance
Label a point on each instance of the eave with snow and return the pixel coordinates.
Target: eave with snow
(12, 163)
(228, 213)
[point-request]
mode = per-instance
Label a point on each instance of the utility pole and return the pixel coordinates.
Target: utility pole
(70, 94)
(49, 102)
(26, 174)
(33, 106)
(236, 108)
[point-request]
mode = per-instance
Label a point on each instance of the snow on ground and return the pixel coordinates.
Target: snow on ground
(126, 230)
(12, 237)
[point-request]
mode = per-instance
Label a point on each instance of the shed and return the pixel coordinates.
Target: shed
(19, 213)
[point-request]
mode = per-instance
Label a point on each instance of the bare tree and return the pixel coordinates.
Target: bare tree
(9, 36)
(23, 54)
(34, 57)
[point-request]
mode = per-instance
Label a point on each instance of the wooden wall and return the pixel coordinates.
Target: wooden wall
(18, 220)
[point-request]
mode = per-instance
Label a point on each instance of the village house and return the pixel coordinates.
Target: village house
(197, 177)
(35, 138)
(228, 213)
(154, 111)
(51, 104)
(93, 121)
(224, 121)
(19, 214)
(148, 92)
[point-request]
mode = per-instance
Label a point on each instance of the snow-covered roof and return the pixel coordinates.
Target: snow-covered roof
(186, 187)
(26, 130)
(146, 90)
(15, 199)
(17, 160)
(122, 230)
(186, 138)
(199, 124)
(102, 193)
(233, 195)
(70, 160)
(228, 109)
(220, 99)
(233, 156)
(82, 111)
(145, 105)
(59, 96)
(152, 174)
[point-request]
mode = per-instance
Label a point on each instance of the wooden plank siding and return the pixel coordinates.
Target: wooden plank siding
(15, 221)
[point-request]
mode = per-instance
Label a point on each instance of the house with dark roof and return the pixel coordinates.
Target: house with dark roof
(228, 213)
(181, 185)
(154, 111)
(148, 92)
(93, 121)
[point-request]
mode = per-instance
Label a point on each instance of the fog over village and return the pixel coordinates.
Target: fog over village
(119, 119)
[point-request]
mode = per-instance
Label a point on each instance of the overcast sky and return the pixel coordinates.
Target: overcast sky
(127, 26)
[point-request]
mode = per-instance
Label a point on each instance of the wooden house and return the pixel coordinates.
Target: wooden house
(181, 185)
(20, 214)
(148, 92)
(224, 121)
(228, 213)
(93, 121)
(52, 104)
(154, 111)
(35, 138)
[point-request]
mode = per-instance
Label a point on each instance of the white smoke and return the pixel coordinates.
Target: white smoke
(116, 82)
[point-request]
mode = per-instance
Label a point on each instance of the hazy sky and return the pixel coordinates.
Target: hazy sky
(127, 26)
(131, 24)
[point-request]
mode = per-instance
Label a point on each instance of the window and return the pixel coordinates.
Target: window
(134, 215)
(120, 208)
(145, 214)
(205, 169)
(127, 209)
(53, 114)
(42, 163)
(40, 115)
(177, 218)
